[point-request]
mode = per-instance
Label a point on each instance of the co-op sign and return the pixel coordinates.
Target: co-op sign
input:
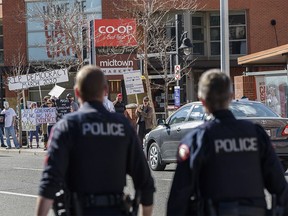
(115, 32)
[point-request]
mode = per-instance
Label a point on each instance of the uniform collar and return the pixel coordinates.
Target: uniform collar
(223, 114)
(94, 104)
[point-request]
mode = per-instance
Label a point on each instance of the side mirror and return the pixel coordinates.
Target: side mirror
(160, 121)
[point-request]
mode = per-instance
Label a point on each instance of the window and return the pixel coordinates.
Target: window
(198, 32)
(206, 32)
(197, 113)
(180, 115)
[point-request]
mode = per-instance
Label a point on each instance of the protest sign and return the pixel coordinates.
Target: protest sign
(133, 82)
(37, 79)
(28, 118)
(2, 120)
(56, 91)
(46, 115)
(63, 106)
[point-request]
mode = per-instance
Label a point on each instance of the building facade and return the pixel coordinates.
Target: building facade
(253, 26)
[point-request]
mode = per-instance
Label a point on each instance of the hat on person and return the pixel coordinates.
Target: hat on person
(146, 98)
(69, 95)
(119, 95)
(46, 98)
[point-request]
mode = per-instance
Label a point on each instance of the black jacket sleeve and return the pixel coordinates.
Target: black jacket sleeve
(181, 190)
(138, 169)
(272, 171)
(56, 162)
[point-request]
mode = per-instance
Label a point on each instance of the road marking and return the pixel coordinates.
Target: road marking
(18, 194)
(23, 168)
(165, 179)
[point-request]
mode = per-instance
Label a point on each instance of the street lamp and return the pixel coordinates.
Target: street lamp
(186, 44)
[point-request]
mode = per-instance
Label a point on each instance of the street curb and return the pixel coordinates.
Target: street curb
(38, 152)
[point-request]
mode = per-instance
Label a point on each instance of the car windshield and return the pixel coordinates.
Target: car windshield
(248, 109)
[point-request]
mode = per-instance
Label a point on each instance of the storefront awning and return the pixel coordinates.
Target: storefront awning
(277, 55)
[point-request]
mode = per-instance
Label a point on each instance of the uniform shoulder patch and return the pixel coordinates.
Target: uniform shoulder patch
(183, 152)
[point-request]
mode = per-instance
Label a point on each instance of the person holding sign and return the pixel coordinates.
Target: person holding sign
(36, 132)
(10, 118)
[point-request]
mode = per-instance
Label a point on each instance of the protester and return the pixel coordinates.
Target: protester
(119, 104)
(51, 103)
(44, 126)
(36, 131)
(73, 104)
(107, 103)
(144, 121)
(10, 118)
(2, 123)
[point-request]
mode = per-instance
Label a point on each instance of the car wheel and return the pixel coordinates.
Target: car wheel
(154, 158)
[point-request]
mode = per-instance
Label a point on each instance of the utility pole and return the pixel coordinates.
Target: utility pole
(224, 27)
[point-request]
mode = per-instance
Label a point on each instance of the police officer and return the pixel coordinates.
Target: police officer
(225, 164)
(90, 152)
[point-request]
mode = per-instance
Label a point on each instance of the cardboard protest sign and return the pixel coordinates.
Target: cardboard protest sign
(28, 118)
(46, 115)
(63, 106)
(56, 91)
(2, 120)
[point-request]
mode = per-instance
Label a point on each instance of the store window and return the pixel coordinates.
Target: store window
(46, 38)
(206, 33)
(273, 91)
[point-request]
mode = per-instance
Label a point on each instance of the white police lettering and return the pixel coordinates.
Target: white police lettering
(233, 145)
(103, 129)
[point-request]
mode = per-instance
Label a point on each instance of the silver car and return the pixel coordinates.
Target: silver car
(160, 145)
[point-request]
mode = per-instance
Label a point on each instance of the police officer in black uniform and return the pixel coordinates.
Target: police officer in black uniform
(225, 164)
(90, 153)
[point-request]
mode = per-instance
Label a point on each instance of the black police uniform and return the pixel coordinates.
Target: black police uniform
(92, 150)
(227, 163)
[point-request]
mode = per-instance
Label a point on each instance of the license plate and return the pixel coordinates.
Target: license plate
(268, 132)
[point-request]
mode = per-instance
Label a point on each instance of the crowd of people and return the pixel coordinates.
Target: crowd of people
(9, 122)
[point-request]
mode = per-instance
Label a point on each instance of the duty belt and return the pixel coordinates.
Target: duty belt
(95, 200)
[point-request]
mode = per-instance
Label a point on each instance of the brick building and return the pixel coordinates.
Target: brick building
(251, 25)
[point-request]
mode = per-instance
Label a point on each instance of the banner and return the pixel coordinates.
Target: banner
(63, 106)
(28, 117)
(37, 79)
(46, 115)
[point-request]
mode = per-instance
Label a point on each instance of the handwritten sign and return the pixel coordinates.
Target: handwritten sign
(133, 82)
(37, 79)
(46, 115)
(28, 117)
(63, 106)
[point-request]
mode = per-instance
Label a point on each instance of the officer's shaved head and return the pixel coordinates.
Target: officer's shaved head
(215, 90)
(90, 83)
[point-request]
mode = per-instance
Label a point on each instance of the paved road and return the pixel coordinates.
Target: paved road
(20, 174)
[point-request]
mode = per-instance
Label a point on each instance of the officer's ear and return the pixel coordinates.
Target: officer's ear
(76, 91)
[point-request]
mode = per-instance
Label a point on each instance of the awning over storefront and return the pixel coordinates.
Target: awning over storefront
(274, 56)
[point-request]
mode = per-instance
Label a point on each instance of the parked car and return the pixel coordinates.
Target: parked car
(160, 145)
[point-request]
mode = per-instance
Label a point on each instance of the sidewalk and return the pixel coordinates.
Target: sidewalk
(24, 149)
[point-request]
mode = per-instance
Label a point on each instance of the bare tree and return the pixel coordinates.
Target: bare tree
(151, 16)
(19, 68)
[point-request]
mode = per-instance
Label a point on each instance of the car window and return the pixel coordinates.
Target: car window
(180, 115)
(240, 109)
(197, 113)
